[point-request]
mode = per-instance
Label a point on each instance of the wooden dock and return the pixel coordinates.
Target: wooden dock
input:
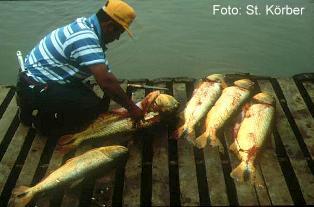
(161, 171)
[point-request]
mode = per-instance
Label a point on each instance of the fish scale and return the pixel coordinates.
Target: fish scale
(254, 129)
(203, 98)
(74, 169)
(113, 123)
(228, 103)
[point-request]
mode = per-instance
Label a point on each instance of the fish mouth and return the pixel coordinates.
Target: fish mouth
(244, 83)
(216, 77)
(264, 98)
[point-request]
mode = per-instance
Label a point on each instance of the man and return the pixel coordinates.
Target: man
(56, 67)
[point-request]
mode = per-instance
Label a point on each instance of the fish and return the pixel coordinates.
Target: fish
(225, 107)
(75, 169)
(254, 129)
(203, 98)
(156, 106)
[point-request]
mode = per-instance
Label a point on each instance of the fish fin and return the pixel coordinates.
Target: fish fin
(119, 110)
(244, 172)
(21, 196)
(121, 113)
(76, 183)
(66, 148)
(190, 135)
(224, 84)
(214, 140)
(176, 134)
(66, 139)
(201, 141)
(181, 119)
(233, 148)
(217, 143)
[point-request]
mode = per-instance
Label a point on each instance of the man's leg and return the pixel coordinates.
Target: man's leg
(26, 101)
(66, 109)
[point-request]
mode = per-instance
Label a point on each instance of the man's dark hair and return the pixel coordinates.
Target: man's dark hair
(102, 16)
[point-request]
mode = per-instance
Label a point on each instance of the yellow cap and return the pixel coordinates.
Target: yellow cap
(121, 12)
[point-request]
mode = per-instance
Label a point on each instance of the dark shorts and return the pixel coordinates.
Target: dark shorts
(61, 108)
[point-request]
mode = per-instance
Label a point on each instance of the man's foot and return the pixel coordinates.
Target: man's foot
(25, 116)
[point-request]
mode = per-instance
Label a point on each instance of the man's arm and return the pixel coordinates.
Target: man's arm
(110, 85)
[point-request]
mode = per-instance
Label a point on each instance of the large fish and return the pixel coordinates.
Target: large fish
(75, 169)
(155, 105)
(254, 129)
(228, 103)
(203, 98)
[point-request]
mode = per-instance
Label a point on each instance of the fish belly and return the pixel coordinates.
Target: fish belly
(200, 103)
(229, 102)
(72, 170)
(254, 129)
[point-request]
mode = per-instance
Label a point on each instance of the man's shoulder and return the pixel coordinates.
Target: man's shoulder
(81, 26)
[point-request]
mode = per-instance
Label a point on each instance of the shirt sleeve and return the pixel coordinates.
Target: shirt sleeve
(83, 48)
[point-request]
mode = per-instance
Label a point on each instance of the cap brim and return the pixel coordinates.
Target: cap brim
(129, 32)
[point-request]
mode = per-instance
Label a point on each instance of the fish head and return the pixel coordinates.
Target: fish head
(165, 104)
(244, 83)
(114, 152)
(264, 98)
(218, 78)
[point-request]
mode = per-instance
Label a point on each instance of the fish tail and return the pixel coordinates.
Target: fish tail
(201, 141)
(244, 172)
(215, 142)
(21, 196)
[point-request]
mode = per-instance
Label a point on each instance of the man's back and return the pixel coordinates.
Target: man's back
(63, 55)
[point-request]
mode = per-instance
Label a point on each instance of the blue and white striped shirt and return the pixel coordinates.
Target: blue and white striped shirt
(64, 54)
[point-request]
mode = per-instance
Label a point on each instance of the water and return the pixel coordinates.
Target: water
(174, 37)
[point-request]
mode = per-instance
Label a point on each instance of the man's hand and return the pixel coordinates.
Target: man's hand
(136, 113)
(110, 85)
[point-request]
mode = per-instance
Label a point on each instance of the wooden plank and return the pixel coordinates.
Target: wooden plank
(7, 118)
(103, 189)
(160, 170)
(299, 164)
(309, 86)
(104, 186)
(274, 179)
(3, 93)
(215, 177)
(300, 112)
(11, 154)
(32, 160)
(132, 184)
(248, 195)
(72, 196)
(186, 163)
(272, 174)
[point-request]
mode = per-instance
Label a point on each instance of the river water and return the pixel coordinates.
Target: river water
(175, 38)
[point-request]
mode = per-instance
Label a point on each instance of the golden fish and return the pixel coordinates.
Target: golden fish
(254, 129)
(228, 103)
(155, 105)
(203, 98)
(73, 170)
